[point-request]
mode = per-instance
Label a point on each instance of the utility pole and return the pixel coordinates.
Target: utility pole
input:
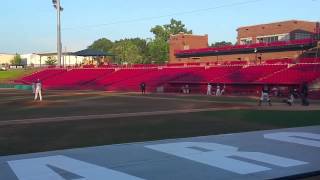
(57, 6)
(317, 39)
(58, 33)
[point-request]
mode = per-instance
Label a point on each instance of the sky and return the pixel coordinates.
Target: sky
(29, 26)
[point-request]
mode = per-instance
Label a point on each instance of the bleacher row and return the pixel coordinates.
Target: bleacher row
(128, 79)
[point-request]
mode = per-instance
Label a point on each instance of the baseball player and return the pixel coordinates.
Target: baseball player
(209, 89)
(218, 90)
(265, 95)
(38, 88)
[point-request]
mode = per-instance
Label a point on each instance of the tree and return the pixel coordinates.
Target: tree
(102, 44)
(221, 43)
(127, 52)
(142, 48)
(17, 60)
(158, 48)
(164, 31)
(51, 60)
(158, 51)
(137, 50)
(160, 32)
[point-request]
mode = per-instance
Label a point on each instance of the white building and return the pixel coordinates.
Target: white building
(6, 58)
(39, 59)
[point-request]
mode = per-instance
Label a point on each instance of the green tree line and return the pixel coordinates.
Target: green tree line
(143, 51)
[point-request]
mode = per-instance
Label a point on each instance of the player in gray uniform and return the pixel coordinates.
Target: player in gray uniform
(223, 90)
(265, 95)
(290, 99)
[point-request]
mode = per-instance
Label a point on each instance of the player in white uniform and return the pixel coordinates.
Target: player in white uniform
(38, 88)
(218, 90)
(209, 89)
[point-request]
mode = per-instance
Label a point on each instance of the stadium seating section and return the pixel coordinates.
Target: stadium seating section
(42, 75)
(74, 78)
(106, 82)
(310, 60)
(250, 73)
(275, 72)
(247, 46)
(296, 74)
(153, 78)
(279, 61)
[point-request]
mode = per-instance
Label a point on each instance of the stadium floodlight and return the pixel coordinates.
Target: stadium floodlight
(57, 6)
(54, 2)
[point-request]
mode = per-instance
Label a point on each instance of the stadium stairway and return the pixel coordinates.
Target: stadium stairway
(294, 75)
(90, 85)
(272, 74)
(249, 74)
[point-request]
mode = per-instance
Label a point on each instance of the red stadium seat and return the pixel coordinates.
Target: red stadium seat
(128, 79)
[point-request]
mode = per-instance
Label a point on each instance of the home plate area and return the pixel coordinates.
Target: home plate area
(284, 153)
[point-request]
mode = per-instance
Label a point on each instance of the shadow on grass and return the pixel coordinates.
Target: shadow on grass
(53, 136)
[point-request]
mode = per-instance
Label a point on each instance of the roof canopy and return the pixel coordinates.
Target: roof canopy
(91, 52)
(54, 54)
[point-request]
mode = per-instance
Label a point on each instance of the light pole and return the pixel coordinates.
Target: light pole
(317, 39)
(57, 6)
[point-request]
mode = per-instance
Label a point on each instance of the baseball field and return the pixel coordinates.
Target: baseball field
(71, 119)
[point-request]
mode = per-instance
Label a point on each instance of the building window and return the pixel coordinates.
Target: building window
(284, 37)
(302, 36)
(186, 47)
(273, 38)
(269, 39)
(244, 41)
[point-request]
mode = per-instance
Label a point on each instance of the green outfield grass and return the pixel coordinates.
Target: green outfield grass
(46, 136)
(62, 135)
(11, 75)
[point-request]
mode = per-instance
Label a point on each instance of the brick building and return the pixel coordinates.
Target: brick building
(280, 40)
(279, 31)
(185, 42)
